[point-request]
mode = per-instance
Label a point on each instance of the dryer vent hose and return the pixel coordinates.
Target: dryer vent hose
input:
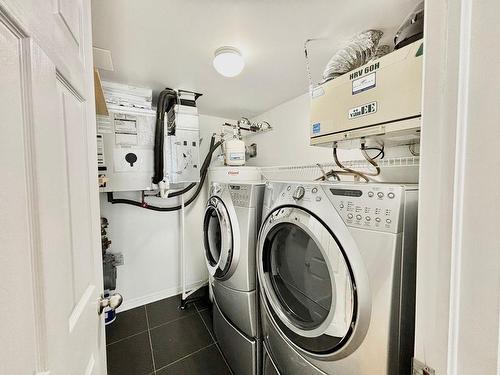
(357, 52)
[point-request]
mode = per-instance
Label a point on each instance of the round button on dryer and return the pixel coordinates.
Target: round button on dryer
(380, 194)
(370, 194)
(299, 193)
(377, 219)
(314, 190)
(388, 221)
(349, 216)
(359, 217)
(368, 218)
(391, 195)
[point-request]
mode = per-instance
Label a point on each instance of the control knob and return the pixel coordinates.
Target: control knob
(216, 189)
(299, 192)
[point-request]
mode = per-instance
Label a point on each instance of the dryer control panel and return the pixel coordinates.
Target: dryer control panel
(373, 206)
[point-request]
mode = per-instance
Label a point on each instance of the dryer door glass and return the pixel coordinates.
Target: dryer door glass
(217, 237)
(213, 236)
(308, 282)
(300, 277)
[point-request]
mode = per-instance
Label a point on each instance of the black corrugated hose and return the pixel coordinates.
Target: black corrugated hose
(166, 99)
(203, 175)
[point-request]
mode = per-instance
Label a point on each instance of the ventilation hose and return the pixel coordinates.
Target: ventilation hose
(203, 175)
(355, 53)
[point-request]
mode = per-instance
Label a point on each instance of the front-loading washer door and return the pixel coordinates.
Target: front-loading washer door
(217, 237)
(307, 281)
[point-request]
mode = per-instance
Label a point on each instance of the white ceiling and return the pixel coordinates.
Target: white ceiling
(170, 43)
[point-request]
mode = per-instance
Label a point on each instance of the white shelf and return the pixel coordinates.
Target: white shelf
(310, 172)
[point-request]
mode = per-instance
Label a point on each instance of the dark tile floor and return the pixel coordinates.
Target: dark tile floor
(162, 339)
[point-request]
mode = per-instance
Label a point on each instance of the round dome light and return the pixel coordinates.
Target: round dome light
(228, 61)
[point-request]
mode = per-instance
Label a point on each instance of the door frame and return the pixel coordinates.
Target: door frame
(458, 282)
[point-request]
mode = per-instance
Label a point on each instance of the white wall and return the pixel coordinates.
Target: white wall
(149, 241)
(288, 142)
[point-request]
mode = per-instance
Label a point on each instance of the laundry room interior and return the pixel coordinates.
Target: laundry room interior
(312, 93)
(251, 187)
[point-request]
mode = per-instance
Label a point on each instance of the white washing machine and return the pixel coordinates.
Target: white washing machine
(230, 227)
(336, 267)
(223, 174)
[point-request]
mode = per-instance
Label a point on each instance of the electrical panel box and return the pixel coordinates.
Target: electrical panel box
(381, 99)
(182, 158)
(125, 146)
(125, 149)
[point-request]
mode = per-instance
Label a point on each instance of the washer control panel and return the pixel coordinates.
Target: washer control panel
(246, 195)
(240, 194)
(374, 206)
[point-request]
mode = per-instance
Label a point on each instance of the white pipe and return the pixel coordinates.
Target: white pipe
(181, 247)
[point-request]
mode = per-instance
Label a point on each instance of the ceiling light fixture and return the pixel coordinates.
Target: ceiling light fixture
(228, 61)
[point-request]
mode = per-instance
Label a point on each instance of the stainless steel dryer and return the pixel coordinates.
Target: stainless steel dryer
(231, 224)
(336, 266)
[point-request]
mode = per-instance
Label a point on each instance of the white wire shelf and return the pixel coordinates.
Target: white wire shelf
(309, 172)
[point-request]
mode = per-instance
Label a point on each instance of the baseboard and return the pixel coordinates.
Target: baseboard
(129, 304)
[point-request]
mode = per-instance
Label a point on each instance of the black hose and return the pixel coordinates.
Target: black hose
(158, 145)
(381, 152)
(165, 100)
(204, 172)
(182, 191)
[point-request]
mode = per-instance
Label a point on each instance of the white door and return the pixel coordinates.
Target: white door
(50, 262)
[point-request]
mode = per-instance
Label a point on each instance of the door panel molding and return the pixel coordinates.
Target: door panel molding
(41, 21)
(34, 212)
(67, 84)
(31, 192)
(71, 21)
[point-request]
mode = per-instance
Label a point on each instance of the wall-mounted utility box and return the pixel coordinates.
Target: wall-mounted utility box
(182, 156)
(125, 146)
(125, 143)
(381, 99)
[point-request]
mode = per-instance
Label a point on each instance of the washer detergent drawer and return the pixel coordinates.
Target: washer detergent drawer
(268, 366)
(239, 351)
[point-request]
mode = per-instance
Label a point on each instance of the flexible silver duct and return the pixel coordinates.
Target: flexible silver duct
(357, 52)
